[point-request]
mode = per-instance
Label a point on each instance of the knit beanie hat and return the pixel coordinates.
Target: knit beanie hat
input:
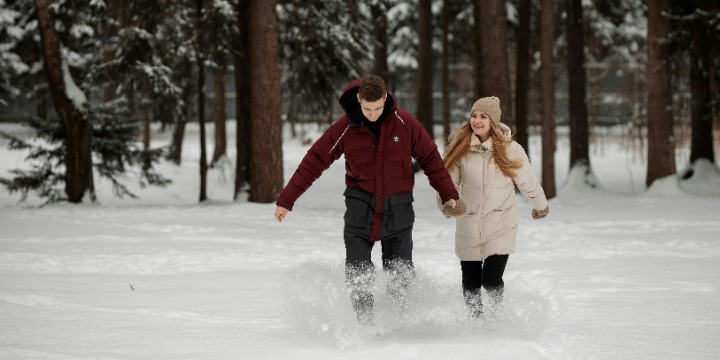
(490, 106)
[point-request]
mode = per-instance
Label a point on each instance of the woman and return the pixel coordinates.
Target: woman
(486, 164)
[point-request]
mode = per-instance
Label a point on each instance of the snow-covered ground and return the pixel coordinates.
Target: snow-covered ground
(614, 273)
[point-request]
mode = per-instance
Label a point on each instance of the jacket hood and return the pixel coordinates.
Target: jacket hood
(349, 103)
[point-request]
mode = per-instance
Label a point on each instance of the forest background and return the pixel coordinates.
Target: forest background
(92, 77)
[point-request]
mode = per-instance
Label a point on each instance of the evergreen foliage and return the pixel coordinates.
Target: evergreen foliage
(142, 59)
(114, 131)
(324, 44)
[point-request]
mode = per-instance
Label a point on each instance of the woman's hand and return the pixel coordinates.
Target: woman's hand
(539, 214)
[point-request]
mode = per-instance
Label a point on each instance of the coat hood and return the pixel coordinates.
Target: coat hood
(349, 103)
(477, 145)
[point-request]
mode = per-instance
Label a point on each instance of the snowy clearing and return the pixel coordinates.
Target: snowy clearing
(615, 273)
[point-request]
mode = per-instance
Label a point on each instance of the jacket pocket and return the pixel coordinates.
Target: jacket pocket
(402, 214)
(358, 208)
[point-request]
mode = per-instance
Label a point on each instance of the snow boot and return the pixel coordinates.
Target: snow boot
(473, 301)
(362, 303)
(495, 301)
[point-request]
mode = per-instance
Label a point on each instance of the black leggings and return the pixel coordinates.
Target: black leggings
(487, 274)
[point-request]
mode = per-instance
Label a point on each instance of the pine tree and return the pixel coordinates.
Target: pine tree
(547, 89)
(241, 60)
(661, 144)
(266, 175)
(424, 73)
(378, 11)
(13, 34)
(694, 41)
(577, 94)
(109, 131)
(221, 26)
(321, 49)
(703, 51)
(494, 57)
(522, 77)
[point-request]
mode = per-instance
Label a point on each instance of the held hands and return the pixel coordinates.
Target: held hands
(280, 213)
(539, 214)
(454, 209)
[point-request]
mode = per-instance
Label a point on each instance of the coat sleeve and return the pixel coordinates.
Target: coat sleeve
(319, 157)
(426, 153)
(526, 180)
(456, 177)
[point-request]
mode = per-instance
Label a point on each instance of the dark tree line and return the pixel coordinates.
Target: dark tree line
(112, 70)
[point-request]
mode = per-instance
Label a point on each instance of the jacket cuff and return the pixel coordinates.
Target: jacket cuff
(284, 204)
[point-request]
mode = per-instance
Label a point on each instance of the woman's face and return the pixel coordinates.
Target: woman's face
(480, 124)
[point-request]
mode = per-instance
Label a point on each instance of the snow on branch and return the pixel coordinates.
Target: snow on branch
(73, 92)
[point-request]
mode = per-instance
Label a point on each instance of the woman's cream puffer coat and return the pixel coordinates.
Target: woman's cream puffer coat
(489, 226)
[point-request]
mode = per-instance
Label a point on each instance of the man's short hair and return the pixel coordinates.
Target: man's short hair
(372, 88)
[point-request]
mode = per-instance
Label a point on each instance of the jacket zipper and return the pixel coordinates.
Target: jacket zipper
(482, 205)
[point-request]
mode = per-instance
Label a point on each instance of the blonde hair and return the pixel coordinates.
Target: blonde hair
(459, 144)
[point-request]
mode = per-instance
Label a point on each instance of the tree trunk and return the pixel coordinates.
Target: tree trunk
(445, 70)
(125, 21)
(379, 14)
(145, 121)
(266, 176)
(424, 76)
(478, 68)
(78, 132)
(108, 32)
(701, 111)
(242, 99)
(178, 135)
(122, 13)
(522, 76)
(292, 114)
(496, 70)
(43, 97)
(577, 93)
(201, 106)
(547, 89)
(661, 140)
(219, 115)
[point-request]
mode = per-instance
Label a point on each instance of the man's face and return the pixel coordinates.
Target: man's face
(372, 109)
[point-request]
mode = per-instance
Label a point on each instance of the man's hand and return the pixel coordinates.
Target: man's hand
(450, 204)
(280, 213)
(454, 209)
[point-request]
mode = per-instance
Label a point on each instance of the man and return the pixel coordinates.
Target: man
(379, 141)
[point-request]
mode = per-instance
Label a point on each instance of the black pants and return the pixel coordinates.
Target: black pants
(396, 241)
(487, 274)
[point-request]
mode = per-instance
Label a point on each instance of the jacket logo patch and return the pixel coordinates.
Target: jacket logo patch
(396, 138)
